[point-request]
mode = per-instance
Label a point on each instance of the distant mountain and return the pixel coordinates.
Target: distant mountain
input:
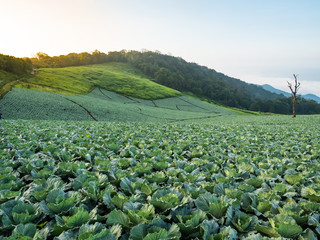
(311, 97)
(275, 90)
(286, 94)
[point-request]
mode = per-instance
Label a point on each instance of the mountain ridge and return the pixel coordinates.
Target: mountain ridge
(308, 96)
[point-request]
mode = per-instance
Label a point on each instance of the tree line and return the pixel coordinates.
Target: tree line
(15, 65)
(176, 73)
(43, 60)
(284, 106)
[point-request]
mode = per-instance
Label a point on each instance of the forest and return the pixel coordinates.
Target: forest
(174, 72)
(15, 65)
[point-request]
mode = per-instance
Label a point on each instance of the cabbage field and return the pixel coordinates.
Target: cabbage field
(103, 105)
(237, 177)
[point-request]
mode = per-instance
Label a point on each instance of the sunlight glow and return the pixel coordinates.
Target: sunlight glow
(238, 38)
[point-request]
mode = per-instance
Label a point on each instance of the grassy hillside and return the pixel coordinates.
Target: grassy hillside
(78, 93)
(117, 77)
(133, 68)
(103, 105)
(7, 79)
(6, 76)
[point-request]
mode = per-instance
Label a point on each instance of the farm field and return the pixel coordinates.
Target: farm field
(232, 177)
(103, 105)
(116, 77)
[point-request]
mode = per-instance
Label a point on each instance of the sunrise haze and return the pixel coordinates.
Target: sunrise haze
(262, 42)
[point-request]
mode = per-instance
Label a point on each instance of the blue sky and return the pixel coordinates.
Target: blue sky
(254, 40)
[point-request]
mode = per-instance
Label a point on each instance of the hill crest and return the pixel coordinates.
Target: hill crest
(175, 73)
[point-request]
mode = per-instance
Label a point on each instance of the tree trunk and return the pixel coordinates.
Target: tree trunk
(293, 106)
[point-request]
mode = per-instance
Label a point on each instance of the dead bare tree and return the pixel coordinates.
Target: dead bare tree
(294, 90)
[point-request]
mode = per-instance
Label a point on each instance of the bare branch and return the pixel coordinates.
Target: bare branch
(290, 86)
(297, 84)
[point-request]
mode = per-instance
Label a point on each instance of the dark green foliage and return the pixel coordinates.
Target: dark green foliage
(234, 178)
(284, 106)
(15, 65)
(199, 80)
(213, 86)
(43, 60)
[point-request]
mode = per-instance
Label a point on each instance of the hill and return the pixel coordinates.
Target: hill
(79, 93)
(311, 97)
(15, 65)
(205, 83)
(275, 90)
(286, 94)
(178, 74)
(173, 72)
(148, 75)
(116, 77)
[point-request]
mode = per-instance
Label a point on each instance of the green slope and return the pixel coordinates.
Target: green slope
(117, 77)
(6, 78)
(101, 92)
(103, 105)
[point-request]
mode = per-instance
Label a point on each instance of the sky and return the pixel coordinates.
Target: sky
(261, 42)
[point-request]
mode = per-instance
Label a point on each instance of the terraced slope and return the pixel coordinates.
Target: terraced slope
(117, 77)
(103, 105)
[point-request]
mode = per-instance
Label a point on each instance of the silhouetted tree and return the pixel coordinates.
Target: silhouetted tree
(294, 90)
